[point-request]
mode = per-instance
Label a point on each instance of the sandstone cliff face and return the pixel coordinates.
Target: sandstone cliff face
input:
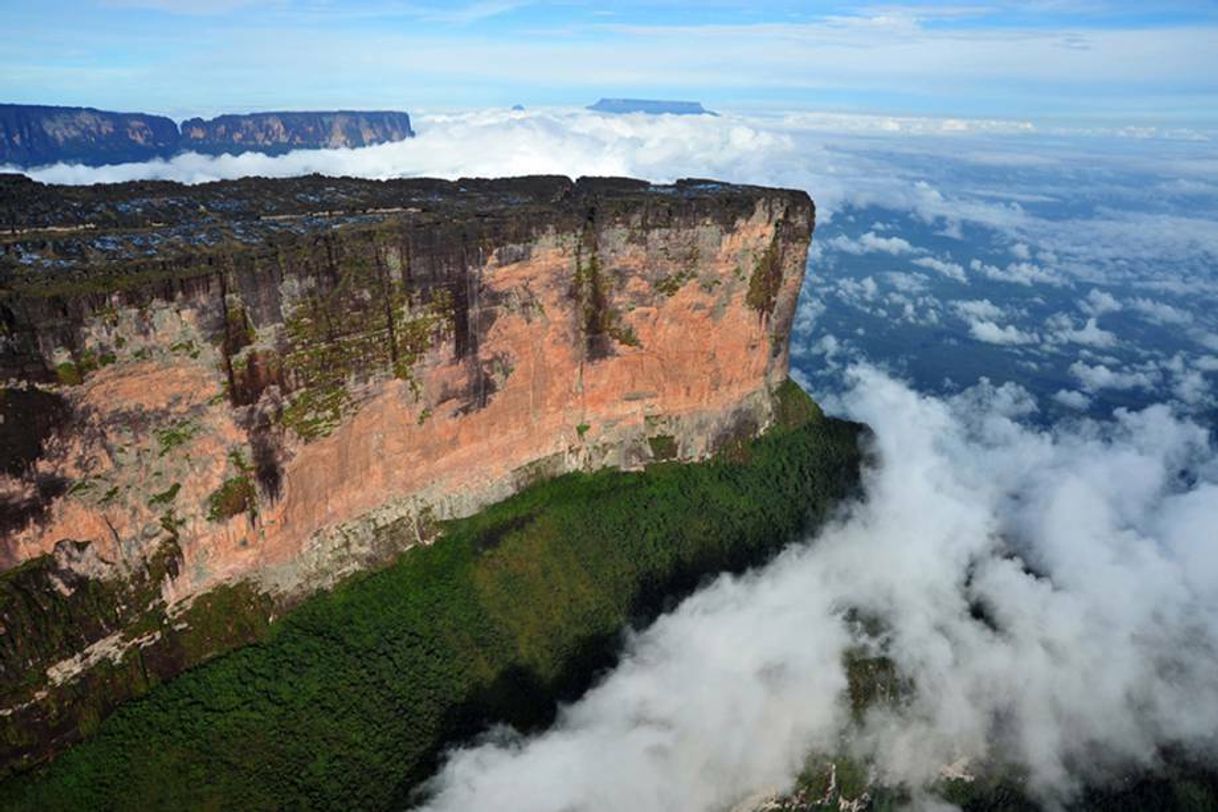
(32, 135)
(35, 135)
(218, 399)
(281, 132)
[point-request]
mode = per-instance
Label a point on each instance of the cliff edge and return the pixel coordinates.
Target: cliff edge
(37, 135)
(220, 399)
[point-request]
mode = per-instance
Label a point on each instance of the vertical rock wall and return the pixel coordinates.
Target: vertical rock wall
(219, 399)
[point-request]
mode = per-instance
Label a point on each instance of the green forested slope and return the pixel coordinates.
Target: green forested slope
(352, 696)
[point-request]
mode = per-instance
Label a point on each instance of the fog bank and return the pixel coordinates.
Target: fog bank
(1053, 596)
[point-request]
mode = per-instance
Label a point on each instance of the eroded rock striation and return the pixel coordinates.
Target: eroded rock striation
(35, 135)
(219, 399)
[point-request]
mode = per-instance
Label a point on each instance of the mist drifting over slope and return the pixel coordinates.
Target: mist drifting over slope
(1090, 549)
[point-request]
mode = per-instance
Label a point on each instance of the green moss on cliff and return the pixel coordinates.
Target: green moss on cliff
(366, 326)
(68, 374)
(766, 279)
(233, 497)
(165, 497)
(351, 698)
(673, 282)
(174, 436)
(600, 321)
(663, 447)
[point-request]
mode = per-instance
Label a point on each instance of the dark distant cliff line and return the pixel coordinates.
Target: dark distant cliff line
(276, 133)
(35, 135)
(653, 107)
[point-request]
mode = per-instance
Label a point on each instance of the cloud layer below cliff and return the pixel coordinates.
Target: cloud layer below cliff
(1052, 592)
(857, 160)
(1053, 595)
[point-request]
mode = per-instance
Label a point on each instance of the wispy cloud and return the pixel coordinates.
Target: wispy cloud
(435, 54)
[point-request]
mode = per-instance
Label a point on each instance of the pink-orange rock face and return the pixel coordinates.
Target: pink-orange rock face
(364, 376)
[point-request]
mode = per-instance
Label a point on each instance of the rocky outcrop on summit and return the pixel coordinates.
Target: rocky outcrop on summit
(217, 399)
(33, 135)
(36, 135)
(281, 132)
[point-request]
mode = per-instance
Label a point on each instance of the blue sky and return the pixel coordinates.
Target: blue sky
(1046, 60)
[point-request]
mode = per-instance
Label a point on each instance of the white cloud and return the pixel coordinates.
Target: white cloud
(982, 316)
(1061, 330)
(815, 152)
(1191, 387)
(1188, 381)
(496, 143)
(1160, 312)
(864, 289)
(1100, 376)
(1018, 273)
(1092, 558)
(871, 243)
(952, 270)
(1072, 399)
(1099, 302)
(907, 282)
(991, 333)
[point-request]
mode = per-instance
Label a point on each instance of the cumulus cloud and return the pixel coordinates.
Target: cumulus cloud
(952, 270)
(907, 282)
(1018, 273)
(871, 243)
(1100, 376)
(1062, 330)
(1072, 399)
(992, 333)
(982, 316)
(858, 290)
(1099, 302)
(1160, 312)
(1051, 596)
(1188, 380)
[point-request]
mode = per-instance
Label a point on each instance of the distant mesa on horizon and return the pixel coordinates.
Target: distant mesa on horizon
(653, 107)
(36, 135)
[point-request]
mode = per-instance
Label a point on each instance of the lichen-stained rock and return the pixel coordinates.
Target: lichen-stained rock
(218, 399)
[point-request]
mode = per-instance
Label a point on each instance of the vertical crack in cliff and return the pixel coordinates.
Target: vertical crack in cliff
(387, 298)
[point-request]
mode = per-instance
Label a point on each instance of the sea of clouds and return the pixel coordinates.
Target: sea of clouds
(1091, 551)
(1028, 320)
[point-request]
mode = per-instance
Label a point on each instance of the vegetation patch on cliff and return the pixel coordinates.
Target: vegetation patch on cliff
(353, 696)
(600, 322)
(766, 279)
(367, 326)
(234, 496)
